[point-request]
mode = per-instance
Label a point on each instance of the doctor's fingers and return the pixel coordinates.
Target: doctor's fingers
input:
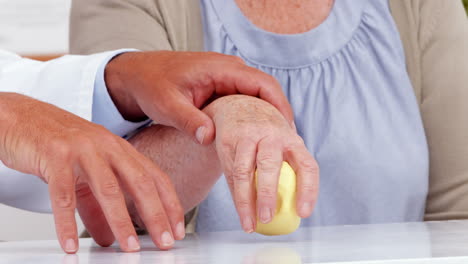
(160, 212)
(92, 216)
(62, 196)
(175, 109)
(307, 173)
(106, 188)
(167, 193)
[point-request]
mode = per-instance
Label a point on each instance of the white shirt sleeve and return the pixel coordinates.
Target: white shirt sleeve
(67, 82)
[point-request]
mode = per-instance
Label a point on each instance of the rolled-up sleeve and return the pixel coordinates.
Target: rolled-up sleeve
(104, 111)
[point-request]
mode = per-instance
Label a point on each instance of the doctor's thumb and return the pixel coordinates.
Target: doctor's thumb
(191, 120)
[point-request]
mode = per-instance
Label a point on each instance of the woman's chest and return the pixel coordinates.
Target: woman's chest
(346, 80)
(284, 16)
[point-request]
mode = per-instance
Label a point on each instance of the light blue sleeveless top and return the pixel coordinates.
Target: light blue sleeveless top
(354, 107)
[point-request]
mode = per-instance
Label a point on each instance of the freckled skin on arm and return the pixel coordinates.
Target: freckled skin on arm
(193, 168)
(250, 134)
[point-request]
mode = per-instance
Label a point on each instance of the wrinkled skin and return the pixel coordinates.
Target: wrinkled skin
(250, 134)
(253, 135)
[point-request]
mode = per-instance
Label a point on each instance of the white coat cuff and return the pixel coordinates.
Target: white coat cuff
(105, 112)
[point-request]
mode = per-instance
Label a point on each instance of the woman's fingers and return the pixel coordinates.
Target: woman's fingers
(307, 172)
(269, 162)
(242, 175)
(62, 196)
(140, 186)
(106, 189)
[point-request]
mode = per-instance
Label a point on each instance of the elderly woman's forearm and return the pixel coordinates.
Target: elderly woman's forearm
(193, 168)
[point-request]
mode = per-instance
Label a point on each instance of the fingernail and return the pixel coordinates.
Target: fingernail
(70, 246)
(248, 224)
(180, 230)
(265, 215)
(200, 134)
(305, 209)
(166, 239)
(132, 243)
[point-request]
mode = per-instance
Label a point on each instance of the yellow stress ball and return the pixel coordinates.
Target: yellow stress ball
(285, 220)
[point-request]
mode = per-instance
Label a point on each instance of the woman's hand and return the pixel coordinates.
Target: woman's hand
(87, 167)
(252, 134)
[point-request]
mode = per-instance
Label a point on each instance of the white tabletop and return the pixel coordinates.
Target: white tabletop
(418, 243)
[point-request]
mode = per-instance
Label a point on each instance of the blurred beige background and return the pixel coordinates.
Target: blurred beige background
(38, 29)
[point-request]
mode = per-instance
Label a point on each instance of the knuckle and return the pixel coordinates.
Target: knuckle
(83, 191)
(296, 143)
(162, 180)
(60, 148)
(266, 192)
(249, 128)
(230, 179)
(309, 166)
(265, 162)
(110, 188)
(186, 124)
(142, 183)
(174, 207)
(242, 174)
(121, 223)
(84, 143)
(226, 141)
(242, 204)
(158, 217)
(64, 200)
(205, 81)
(308, 188)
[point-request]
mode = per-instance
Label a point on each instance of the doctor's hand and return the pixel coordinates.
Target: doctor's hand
(252, 135)
(88, 167)
(170, 87)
